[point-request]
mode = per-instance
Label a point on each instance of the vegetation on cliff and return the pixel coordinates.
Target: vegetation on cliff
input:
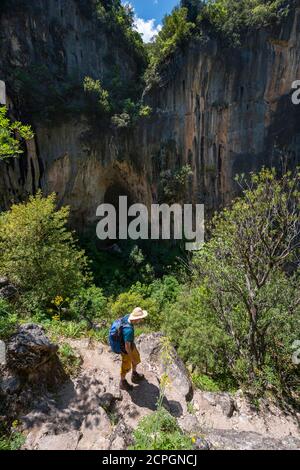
(228, 20)
(11, 135)
(52, 90)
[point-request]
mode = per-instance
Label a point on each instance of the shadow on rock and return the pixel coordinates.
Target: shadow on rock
(146, 395)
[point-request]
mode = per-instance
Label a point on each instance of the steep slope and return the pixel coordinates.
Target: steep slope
(89, 412)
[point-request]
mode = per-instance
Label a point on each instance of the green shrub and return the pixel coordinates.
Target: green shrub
(233, 17)
(155, 298)
(200, 341)
(10, 145)
(12, 442)
(71, 361)
(8, 319)
(69, 329)
(89, 303)
(173, 184)
(127, 301)
(175, 32)
(252, 296)
(99, 97)
(160, 431)
(205, 383)
(39, 254)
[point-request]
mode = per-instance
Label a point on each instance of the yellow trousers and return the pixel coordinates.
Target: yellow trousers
(128, 362)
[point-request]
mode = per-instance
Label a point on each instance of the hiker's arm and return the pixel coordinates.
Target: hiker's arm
(128, 348)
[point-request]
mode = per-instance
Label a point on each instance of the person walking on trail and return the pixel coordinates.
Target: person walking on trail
(121, 338)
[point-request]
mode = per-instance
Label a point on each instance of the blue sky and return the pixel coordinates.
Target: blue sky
(149, 15)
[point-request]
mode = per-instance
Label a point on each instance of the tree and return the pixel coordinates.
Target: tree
(176, 31)
(232, 17)
(98, 96)
(37, 252)
(250, 270)
(193, 7)
(11, 135)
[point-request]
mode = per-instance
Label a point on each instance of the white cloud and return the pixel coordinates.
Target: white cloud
(147, 28)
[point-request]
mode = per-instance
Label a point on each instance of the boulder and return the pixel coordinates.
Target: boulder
(64, 441)
(121, 437)
(4, 281)
(189, 424)
(237, 440)
(9, 385)
(29, 349)
(150, 347)
(224, 401)
(7, 291)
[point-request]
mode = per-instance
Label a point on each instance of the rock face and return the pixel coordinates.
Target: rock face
(29, 349)
(223, 111)
(151, 350)
(31, 366)
(227, 111)
(51, 47)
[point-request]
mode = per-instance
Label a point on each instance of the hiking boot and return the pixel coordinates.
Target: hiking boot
(136, 378)
(124, 385)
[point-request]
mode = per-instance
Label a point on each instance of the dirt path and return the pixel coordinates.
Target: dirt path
(90, 412)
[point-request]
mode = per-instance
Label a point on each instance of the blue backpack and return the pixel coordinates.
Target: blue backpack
(116, 339)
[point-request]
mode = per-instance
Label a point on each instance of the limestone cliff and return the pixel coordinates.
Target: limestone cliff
(227, 111)
(46, 50)
(223, 111)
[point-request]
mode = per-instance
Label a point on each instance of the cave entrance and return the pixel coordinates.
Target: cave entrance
(111, 196)
(113, 193)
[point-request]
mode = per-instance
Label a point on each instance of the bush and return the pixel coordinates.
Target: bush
(127, 301)
(175, 32)
(70, 360)
(98, 96)
(200, 340)
(173, 184)
(160, 431)
(39, 254)
(90, 303)
(249, 272)
(11, 134)
(13, 442)
(205, 383)
(155, 298)
(233, 17)
(8, 320)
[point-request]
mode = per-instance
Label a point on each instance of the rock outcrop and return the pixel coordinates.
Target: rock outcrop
(221, 110)
(31, 366)
(7, 290)
(29, 349)
(89, 412)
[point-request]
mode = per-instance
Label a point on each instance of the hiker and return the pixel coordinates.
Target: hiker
(121, 338)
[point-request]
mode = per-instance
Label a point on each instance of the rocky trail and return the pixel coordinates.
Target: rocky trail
(90, 412)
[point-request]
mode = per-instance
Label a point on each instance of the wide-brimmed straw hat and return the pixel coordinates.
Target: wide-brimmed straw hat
(138, 314)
